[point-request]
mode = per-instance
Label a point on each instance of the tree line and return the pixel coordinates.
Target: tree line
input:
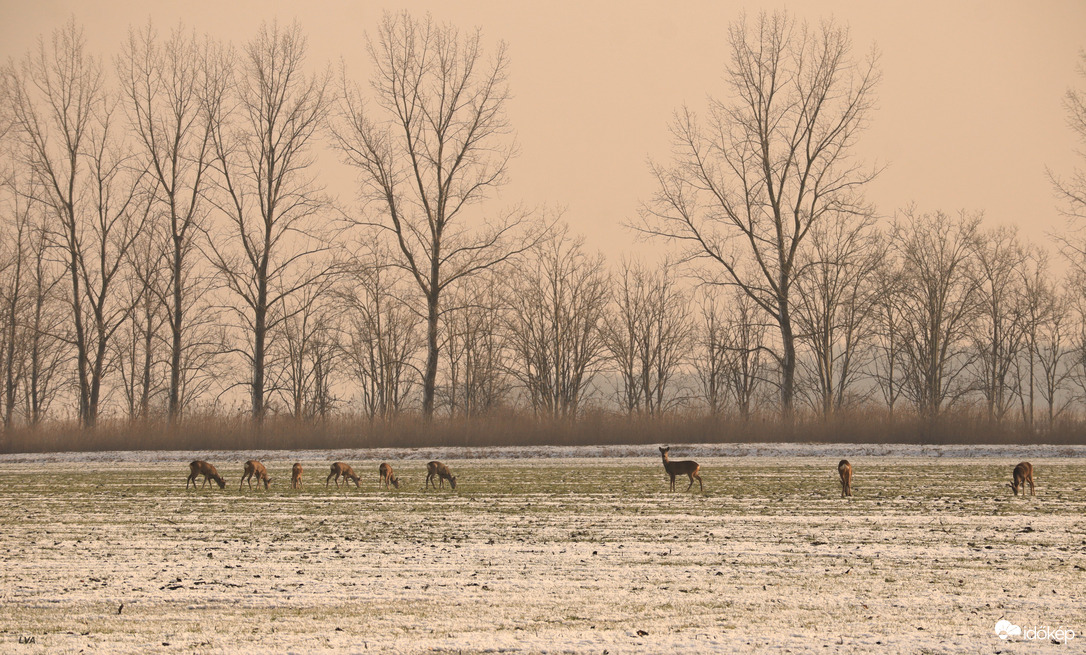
(168, 248)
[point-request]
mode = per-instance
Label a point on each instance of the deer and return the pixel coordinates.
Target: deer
(200, 467)
(387, 476)
(844, 469)
(255, 469)
(296, 476)
(1022, 475)
(687, 468)
(338, 469)
(441, 472)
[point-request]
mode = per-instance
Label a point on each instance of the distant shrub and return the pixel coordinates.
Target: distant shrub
(519, 429)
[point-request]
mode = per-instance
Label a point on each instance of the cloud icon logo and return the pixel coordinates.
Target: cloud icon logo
(1005, 629)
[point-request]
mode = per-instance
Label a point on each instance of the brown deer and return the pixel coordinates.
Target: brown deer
(296, 476)
(387, 476)
(1022, 475)
(441, 472)
(255, 469)
(844, 469)
(338, 469)
(687, 468)
(200, 467)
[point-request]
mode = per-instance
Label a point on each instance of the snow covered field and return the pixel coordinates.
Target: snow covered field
(546, 550)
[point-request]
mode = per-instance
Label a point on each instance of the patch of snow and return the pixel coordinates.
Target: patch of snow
(730, 450)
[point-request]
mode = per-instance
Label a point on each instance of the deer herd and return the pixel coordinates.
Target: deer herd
(1020, 477)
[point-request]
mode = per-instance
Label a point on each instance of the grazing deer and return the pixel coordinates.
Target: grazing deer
(387, 476)
(200, 467)
(845, 471)
(255, 469)
(687, 468)
(441, 472)
(296, 476)
(1022, 475)
(338, 469)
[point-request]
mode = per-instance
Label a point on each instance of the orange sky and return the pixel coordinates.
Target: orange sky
(970, 105)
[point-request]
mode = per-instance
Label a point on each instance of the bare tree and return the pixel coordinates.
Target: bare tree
(164, 83)
(90, 187)
(432, 145)
(1072, 191)
(475, 347)
(47, 325)
(16, 225)
(122, 209)
(937, 302)
(55, 94)
(383, 333)
(1000, 328)
(138, 348)
(768, 165)
(710, 357)
(310, 351)
(647, 334)
(887, 350)
(1049, 350)
(558, 302)
(745, 351)
(265, 187)
(836, 300)
(729, 352)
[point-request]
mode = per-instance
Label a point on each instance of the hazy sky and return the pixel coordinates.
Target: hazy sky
(970, 104)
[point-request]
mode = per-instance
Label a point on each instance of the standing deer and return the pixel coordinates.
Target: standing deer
(844, 469)
(687, 468)
(1022, 475)
(296, 476)
(387, 476)
(338, 469)
(255, 469)
(200, 467)
(441, 472)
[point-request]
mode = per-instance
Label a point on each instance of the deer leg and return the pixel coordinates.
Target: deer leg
(700, 485)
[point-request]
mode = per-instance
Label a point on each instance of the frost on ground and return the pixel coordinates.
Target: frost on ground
(543, 554)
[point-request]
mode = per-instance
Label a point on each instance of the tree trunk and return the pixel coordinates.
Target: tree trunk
(429, 380)
(259, 339)
(788, 362)
(177, 317)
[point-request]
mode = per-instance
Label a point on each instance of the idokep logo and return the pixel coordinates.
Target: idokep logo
(1006, 630)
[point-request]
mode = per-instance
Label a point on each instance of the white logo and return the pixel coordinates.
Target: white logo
(1005, 629)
